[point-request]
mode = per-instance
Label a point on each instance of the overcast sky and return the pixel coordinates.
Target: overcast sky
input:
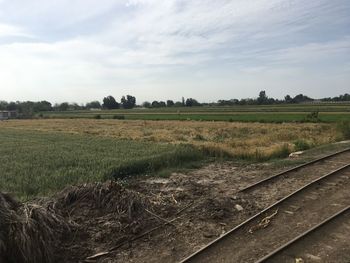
(82, 50)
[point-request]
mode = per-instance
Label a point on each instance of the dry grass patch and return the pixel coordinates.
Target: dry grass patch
(245, 140)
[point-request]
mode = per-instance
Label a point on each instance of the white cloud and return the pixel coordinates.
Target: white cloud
(11, 31)
(143, 45)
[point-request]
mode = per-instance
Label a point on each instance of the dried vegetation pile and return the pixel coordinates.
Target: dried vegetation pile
(96, 216)
(28, 232)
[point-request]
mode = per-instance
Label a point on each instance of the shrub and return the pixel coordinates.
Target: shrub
(98, 116)
(119, 117)
(281, 152)
(312, 117)
(344, 128)
(301, 145)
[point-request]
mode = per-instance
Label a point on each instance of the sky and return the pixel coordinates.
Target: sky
(84, 50)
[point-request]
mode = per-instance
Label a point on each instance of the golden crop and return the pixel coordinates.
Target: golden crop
(234, 139)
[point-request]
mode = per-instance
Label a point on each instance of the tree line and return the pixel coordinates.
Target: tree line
(28, 108)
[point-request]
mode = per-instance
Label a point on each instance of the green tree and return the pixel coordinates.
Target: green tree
(170, 103)
(129, 102)
(63, 106)
(3, 105)
(93, 105)
(262, 99)
(288, 99)
(192, 102)
(42, 106)
(155, 104)
(110, 103)
(146, 104)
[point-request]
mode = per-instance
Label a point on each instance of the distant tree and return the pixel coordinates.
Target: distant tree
(262, 99)
(129, 102)
(288, 99)
(75, 106)
(170, 103)
(146, 104)
(158, 104)
(26, 108)
(12, 106)
(42, 106)
(93, 105)
(183, 101)
(345, 97)
(271, 101)
(3, 105)
(301, 98)
(228, 102)
(63, 106)
(110, 103)
(192, 102)
(178, 104)
(155, 104)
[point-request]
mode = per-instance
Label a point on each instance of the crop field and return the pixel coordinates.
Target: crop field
(38, 157)
(36, 163)
(271, 114)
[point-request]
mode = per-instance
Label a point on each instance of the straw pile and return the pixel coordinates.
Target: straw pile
(28, 232)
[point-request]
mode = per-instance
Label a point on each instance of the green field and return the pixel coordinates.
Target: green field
(274, 113)
(39, 157)
(39, 163)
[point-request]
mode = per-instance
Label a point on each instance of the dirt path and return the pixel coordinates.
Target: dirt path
(328, 244)
(218, 208)
(276, 189)
(289, 219)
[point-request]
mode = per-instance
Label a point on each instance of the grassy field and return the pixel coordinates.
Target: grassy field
(40, 163)
(274, 114)
(41, 156)
(218, 138)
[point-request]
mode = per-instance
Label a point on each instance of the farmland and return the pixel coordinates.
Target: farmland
(269, 113)
(43, 155)
(38, 163)
(39, 157)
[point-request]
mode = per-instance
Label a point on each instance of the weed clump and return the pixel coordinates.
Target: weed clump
(259, 155)
(312, 117)
(344, 129)
(301, 145)
(119, 117)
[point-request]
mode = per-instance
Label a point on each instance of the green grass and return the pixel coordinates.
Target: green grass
(264, 113)
(257, 117)
(38, 163)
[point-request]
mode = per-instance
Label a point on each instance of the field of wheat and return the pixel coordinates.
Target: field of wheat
(247, 140)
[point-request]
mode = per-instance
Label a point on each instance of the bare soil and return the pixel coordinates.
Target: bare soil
(208, 195)
(212, 202)
(328, 244)
(150, 219)
(289, 219)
